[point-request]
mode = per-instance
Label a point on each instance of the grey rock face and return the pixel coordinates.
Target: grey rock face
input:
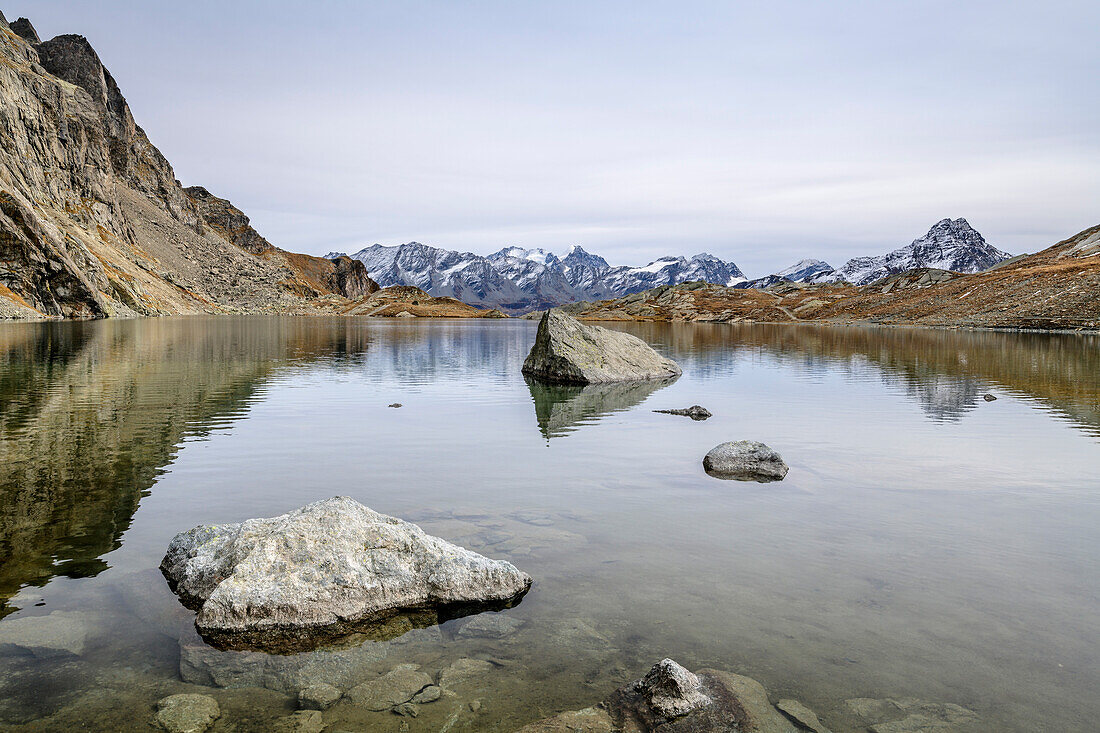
(695, 412)
(567, 351)
(187, 713)
(23, 28)
(323, 571)
(745, 460)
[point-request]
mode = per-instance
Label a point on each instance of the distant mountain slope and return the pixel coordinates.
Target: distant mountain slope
(519, 280)
(951, 244)
(93, 222)
(805, 271)
(1057, 288)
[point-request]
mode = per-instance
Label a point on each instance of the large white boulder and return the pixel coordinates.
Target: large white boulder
(326, 569)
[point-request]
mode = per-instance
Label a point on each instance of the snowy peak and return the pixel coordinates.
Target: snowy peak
(805, 271)
(951, 244)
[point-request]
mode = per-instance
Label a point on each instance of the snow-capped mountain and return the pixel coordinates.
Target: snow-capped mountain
(805, 271)
(951, 244)
(518, 280)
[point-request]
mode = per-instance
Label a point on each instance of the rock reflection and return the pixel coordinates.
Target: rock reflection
(92, 412)
(560, 409)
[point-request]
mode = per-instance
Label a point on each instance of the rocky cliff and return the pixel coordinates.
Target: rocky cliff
(93, 222)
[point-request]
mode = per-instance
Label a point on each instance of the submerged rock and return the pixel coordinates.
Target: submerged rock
(910, 715)
(568, 351)
(671, 699)
(318, 697)
(745, 460)
(398, 686)
(695, 412)
(187, 713)
(58, 634)
(303, 721)
(323, 571)
(802, 716)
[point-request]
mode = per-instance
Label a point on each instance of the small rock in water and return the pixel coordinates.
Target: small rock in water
(475, 706)
(318, 697)
(989, 398)
(695, 412)
(745, 460)
(395, 404)
(801, 715)
(187, 713)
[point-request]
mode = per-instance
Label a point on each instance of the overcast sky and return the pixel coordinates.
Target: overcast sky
(759, 132)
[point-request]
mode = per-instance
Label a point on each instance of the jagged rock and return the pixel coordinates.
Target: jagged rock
(669, 699)
(988, 398)
(318, 697)
(745, 460)
(23, 28)
(187, 713)
(568, 351)
(670, 690)
(802, 716)
(695, 412)
(302, 721)
(57, 634)
(323, 571)
(397, 686)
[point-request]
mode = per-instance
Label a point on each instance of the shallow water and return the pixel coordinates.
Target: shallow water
(926, 543)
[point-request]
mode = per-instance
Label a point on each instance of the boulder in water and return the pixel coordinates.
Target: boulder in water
(331, 568)
(745, 460)
(567, 351)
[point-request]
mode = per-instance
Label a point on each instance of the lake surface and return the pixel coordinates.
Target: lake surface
(925, 544)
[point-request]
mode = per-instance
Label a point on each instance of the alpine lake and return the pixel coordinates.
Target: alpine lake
(926, 544)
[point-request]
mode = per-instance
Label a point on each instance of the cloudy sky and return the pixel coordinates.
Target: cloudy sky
(759, 132)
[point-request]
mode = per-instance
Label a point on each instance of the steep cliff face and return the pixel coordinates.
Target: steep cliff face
(93, 222)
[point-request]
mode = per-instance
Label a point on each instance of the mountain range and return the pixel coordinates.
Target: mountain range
(518, 280)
